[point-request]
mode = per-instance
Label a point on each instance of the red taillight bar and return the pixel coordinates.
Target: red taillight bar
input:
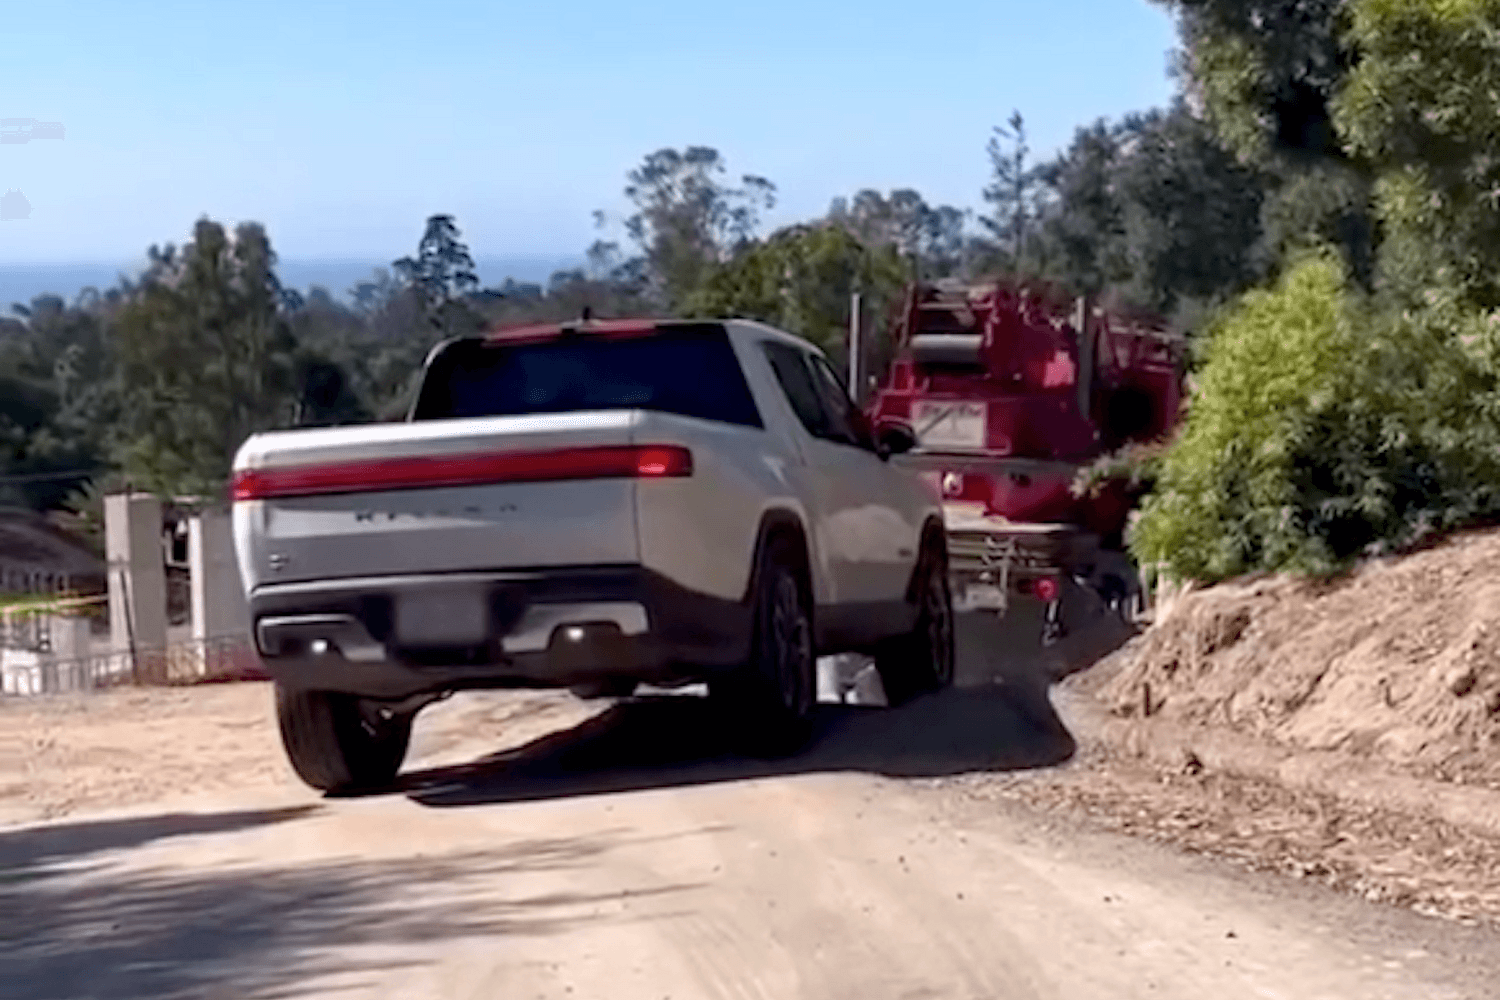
(609, 462)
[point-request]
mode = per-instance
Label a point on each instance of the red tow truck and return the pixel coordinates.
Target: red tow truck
(1010, 390)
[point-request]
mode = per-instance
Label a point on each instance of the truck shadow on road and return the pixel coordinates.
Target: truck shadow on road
(83, 921)
(29, 847)
(998, 717)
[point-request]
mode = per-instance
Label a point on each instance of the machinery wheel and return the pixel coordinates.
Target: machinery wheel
(922, 660)
(333, 747)
(772, 696)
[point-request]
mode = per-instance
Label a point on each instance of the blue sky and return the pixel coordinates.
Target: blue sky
(342, 126)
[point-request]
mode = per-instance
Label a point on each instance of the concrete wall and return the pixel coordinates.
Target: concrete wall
(139, 632)
(137, 573)
(66, 666)
(219, 607)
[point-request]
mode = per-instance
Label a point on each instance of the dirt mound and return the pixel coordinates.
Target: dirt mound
(1398, 661)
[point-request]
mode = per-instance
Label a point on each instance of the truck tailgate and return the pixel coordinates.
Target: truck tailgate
(423, 498)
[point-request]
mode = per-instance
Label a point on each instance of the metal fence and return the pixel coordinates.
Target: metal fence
(227, 658)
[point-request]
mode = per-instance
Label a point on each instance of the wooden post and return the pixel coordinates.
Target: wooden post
(855, 348)
(1085, 356)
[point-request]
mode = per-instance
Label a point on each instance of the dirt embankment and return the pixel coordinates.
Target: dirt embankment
(1345, 732)
(1399, 662)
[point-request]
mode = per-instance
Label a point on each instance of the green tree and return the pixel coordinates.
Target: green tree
(1191, 215)
(1420, 106)
(1325, 203)
(932, 238)
(1267, 74)
(1014, 192)
(687, 220)
(206, 359)
(1266, 71)
(802, 279)
(1150, 212)
(57, 399)
(394, 336)
(26, 404)
(441, 275)
(331, 345)
(325, 397)
(1080, 238)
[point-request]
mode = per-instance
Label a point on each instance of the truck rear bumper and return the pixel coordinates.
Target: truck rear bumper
(392, 637)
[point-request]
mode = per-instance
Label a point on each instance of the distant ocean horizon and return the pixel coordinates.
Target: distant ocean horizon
(20, 283)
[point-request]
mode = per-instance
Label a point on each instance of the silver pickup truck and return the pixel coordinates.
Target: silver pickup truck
(594, 506)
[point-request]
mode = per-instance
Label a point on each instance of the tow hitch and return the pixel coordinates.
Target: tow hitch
(1049, 590)
(1052, 626)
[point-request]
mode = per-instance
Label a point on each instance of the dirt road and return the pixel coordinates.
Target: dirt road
(541, 847)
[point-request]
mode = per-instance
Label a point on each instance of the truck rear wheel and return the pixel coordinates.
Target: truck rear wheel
(922, 660)
(771, 697)
(332, 745)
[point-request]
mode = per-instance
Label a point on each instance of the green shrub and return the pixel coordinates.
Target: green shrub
(1136, 466)
(1324, 428)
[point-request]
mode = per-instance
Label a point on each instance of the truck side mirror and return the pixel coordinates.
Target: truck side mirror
(896, 438)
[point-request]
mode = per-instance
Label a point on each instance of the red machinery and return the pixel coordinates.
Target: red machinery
(1006, 403)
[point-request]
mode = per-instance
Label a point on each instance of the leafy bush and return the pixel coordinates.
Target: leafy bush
(1136, 466)
(1325, 428)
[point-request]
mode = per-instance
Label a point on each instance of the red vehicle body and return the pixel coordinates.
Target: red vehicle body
(1007, 402)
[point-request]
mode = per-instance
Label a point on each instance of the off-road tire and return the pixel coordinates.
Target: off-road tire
(770, 698)
(333, 747)
(921, 662)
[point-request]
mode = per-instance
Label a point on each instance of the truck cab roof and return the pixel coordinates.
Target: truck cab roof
(629, 327)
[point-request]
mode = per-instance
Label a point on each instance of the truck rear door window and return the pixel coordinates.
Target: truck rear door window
(797, 382)
(691, 371)
(816, 395)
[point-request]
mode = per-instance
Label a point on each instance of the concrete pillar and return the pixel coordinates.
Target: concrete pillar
(71, 639)
(137, 581)
(69, 659)
(219, 606)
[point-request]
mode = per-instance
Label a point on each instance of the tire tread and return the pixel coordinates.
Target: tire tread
(327, 746)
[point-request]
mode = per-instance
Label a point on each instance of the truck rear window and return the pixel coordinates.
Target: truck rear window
(691, 371)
